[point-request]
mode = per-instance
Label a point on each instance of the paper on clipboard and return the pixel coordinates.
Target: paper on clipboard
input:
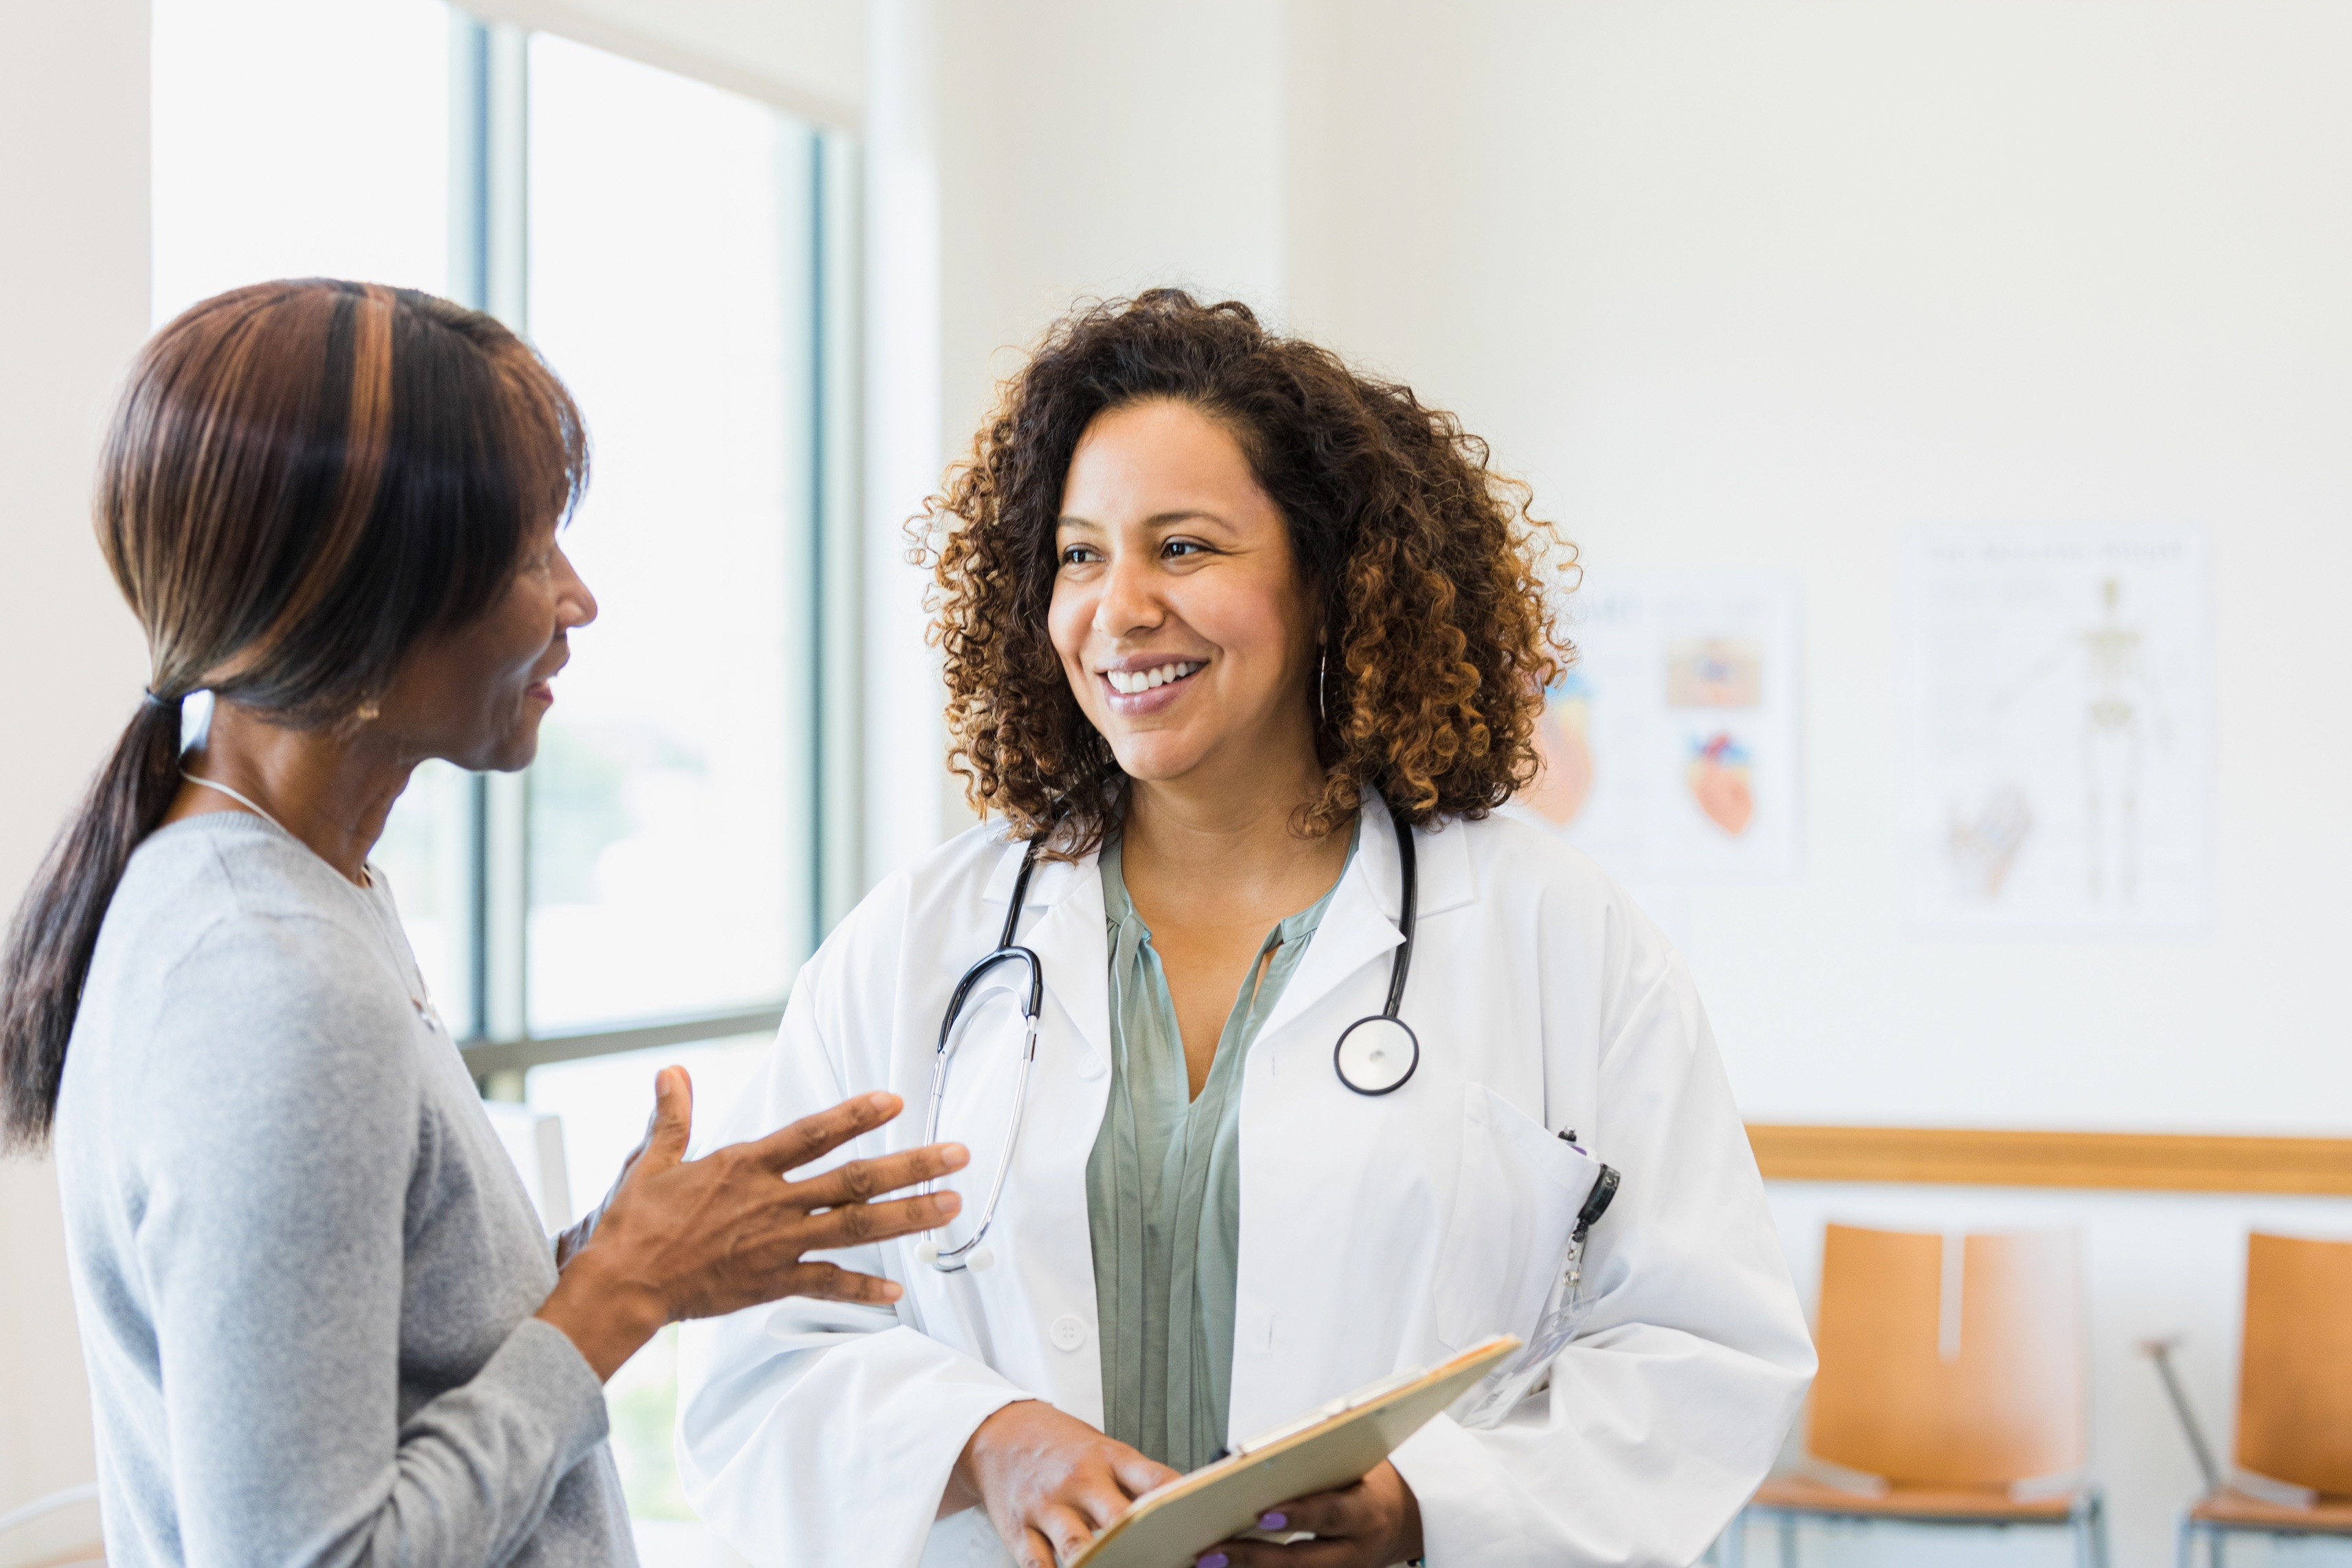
(1332, 1446)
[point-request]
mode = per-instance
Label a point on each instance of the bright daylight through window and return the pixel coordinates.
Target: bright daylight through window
(645, 894)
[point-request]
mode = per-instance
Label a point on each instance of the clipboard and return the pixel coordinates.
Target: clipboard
(1170, 1526)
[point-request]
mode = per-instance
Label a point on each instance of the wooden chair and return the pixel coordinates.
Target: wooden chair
(1952, 1378)
(2295, 1399)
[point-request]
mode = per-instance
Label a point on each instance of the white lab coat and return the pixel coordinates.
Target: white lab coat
(1377, 1234)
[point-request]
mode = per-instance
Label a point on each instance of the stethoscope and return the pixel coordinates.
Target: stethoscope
(1374, 1055)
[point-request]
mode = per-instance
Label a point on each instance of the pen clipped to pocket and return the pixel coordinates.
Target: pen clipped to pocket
(1565, 1309)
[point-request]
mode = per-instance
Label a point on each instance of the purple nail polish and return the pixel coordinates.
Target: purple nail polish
(1273, 1520)
(1214, 1560)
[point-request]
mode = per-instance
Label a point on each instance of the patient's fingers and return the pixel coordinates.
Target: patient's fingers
(828, 1283)
(813, 1137)
(856, 1224)
(861, 1181)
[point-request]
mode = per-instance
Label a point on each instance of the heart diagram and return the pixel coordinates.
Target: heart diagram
(1718, 780)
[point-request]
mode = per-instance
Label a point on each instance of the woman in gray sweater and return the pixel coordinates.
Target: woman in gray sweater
(322, 1325)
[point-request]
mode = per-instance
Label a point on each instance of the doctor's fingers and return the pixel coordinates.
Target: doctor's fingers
(788, 1148)
(861, 1181)
(1138, 1472)
(1344, 1511)
(1334, 1552)
(1032, 1550)
(1064, 1527)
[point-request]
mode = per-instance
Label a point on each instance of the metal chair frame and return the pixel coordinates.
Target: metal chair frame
(2217, 1534)
(2087, 1522)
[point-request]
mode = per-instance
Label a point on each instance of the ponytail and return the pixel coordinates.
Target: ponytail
(55, 931)
(302, 479)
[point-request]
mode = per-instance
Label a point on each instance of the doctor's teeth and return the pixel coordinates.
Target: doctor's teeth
(1131, 681)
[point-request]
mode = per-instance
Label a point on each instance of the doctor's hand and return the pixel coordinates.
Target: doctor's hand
(1372, 1524)
(700, 1239)
(1048, 1481)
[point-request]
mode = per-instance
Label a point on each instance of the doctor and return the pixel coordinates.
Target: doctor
(1218, 614)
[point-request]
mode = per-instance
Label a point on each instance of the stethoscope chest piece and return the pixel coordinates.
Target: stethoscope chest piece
(1377, 1054)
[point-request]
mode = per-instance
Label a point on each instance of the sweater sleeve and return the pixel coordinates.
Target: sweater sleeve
(279, 1128)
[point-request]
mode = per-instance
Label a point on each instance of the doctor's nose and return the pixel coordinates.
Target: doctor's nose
(1129, 602)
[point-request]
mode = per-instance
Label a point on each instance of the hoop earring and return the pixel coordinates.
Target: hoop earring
(1322, 669)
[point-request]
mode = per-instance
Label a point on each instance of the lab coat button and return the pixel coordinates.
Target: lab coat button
(1068, 1333)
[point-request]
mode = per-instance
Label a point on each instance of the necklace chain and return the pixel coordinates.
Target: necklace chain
(419, 995)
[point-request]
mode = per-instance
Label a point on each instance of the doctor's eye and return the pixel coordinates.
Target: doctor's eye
(1079, 555)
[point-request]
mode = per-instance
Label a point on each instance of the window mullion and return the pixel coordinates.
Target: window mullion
(490, 198)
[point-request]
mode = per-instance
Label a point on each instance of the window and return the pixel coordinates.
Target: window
(670, 253)
(644, 893)
(675, 250)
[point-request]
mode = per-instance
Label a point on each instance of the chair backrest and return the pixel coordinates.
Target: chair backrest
(1953, 1361)
(2295, 1374)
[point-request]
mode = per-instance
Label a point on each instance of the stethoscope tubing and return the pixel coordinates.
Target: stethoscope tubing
(956, 1259)
(959, 1257)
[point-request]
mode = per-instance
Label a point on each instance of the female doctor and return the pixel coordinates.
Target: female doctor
(1220, 617)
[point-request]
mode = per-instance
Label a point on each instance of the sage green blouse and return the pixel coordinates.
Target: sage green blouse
(1163, 1191)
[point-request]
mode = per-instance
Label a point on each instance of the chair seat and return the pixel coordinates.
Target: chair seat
(2235, 1510)
(1974, 1505)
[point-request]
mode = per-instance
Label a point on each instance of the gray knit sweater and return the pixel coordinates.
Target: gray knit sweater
(305, 1269)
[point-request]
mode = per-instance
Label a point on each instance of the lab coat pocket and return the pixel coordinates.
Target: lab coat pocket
(1515, 1204)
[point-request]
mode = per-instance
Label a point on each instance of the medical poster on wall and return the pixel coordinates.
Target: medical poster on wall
(2059, 753)
(1671, 747)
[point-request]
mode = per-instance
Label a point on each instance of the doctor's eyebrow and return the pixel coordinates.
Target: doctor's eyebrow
(1157, 521)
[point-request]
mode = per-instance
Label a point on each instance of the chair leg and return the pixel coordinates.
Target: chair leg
(1789, 1541)
(2098, 1531)
(2215, 1548)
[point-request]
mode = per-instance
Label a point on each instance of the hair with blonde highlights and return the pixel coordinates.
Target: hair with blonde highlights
(302, 480)
(1432, 576)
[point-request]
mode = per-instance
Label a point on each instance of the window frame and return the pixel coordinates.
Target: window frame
(488, 270)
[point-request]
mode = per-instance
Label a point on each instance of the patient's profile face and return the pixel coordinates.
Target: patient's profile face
(1178, 610)
(475, 694)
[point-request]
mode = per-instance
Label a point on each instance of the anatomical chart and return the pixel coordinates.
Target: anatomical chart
(1671, 747)
(2060, 734)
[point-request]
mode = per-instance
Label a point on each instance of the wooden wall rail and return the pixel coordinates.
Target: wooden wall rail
(2148, 1162)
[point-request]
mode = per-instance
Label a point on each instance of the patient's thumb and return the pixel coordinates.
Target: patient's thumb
(672, 1116)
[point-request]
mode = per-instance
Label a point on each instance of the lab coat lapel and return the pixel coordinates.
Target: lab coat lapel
(1063, 924)
(1358, 927)
(1361, 925)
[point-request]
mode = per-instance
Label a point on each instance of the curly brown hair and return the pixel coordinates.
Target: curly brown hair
(1432, 572)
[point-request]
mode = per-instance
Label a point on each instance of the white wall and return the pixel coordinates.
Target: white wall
(1772, 285)
(73, 119)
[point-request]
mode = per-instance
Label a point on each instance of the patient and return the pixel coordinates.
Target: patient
(321, 1321)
